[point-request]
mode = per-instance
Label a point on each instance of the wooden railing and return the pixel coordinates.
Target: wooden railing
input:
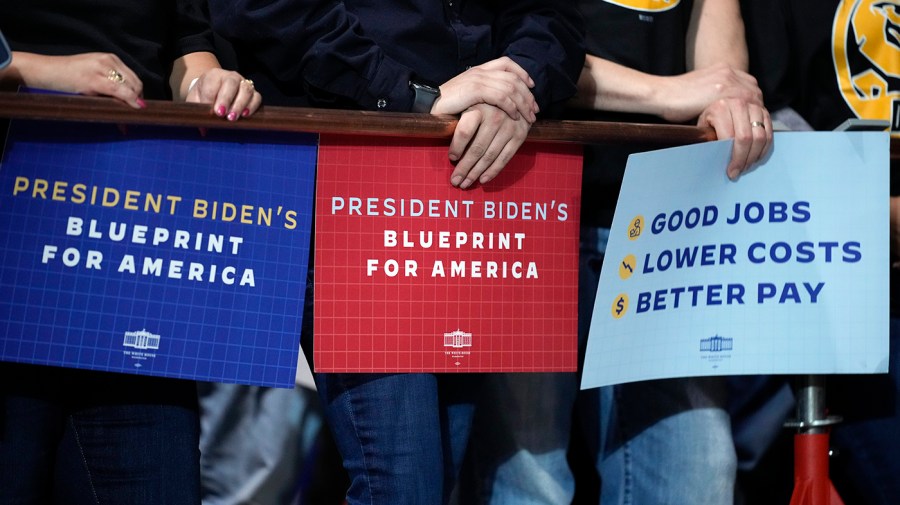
(294, 119)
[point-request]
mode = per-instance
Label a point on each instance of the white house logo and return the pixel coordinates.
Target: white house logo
(457, 339)
(716, 344)
(455, 342)
(141, 340)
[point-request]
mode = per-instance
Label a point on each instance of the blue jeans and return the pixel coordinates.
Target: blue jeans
(80, 437)
(402, 436)
(520, 438)
(666, 441)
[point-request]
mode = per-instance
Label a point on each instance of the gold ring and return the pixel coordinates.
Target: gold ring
(248, 81)
(757, 123)
(114, 76)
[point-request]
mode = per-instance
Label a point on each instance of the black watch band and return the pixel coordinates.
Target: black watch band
(425, 96)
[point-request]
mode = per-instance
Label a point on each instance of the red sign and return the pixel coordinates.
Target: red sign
(415, 275)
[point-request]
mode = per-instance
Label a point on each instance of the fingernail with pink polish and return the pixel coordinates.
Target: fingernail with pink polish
(232, 116)
(220, 111)
(141, 103)
(245, 113)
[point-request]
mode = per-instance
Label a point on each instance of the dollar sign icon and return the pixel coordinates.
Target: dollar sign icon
(620, 306)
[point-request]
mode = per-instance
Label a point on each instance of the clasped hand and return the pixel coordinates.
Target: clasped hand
(497, 109)
(727, 100)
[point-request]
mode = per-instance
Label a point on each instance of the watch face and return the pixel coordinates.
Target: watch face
(419, 87)
(425, 96)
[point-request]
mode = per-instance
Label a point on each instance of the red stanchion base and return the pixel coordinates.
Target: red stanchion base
(812, 486)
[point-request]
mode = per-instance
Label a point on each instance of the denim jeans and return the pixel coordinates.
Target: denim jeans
(402, 436)
(520, 438)
(79, 437)
(666, 441)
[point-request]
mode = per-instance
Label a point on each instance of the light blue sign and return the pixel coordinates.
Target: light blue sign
(155, 251)
(784, 271)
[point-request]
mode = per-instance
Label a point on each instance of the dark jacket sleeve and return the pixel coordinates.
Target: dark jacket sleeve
(316, 45)
(547, 39)
(192, 31)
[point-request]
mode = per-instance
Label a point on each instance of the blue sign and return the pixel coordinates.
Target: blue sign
(155, 251)
(784, 271)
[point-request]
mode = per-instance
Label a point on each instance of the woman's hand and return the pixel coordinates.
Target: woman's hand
(95, 74)
(232, 96)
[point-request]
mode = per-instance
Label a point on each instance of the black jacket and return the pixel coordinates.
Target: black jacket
(362, 54)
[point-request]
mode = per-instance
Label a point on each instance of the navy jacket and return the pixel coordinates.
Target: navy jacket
(363, 53)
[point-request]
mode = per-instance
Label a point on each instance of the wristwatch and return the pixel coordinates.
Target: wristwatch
(425, 96)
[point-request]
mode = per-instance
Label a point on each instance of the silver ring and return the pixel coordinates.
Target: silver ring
(757, 123)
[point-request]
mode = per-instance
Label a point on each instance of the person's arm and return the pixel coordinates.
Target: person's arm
(198, 77)
(546, 40)
(714, 91)
(319, 46)
(716, 37)
(87, 74)
(545, 37)
(605, 85)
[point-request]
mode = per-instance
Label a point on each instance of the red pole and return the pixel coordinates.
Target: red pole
(812, 486)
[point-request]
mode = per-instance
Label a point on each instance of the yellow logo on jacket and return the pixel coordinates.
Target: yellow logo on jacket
(646, 5)
(866, 51)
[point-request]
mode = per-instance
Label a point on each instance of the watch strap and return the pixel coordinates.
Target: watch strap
(424, 96)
